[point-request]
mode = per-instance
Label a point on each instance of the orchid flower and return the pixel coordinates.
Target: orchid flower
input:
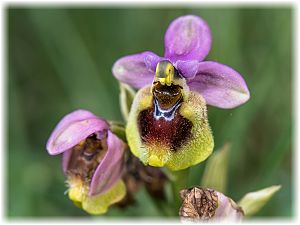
(92, 160)
(167, 124)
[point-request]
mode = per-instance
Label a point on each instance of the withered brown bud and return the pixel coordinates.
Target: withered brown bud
(154, 180)
(204, 204)
(136, 175)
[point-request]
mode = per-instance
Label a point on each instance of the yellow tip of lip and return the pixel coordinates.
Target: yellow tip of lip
(77, 190)
(155, 161)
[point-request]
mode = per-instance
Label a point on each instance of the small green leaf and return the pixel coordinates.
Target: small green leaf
(252, 202)
(215, 173)
(126, 98)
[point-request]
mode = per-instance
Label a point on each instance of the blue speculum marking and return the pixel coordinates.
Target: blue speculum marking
(167, 114)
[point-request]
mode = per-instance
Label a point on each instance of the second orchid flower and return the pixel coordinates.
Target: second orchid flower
(92, 160)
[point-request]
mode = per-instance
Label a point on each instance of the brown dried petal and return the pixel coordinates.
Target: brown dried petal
(203, 204)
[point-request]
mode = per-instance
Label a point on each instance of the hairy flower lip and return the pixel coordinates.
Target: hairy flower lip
(153, 142)
(187, 42)
(76, 127)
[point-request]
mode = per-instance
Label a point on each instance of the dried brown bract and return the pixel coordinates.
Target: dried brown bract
(204, 204)
(198, 203)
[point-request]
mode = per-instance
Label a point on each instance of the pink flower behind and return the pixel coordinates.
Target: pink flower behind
(92, 158)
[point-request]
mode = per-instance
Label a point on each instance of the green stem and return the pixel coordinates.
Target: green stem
(163, 207)
(118, 129)
(180, 182)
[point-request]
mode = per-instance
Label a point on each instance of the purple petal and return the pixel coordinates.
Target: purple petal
(65, 160)
(72, 129)
(136, 70)
(188, 69)
(187, 38)
(220, 85)
(151, 61)
(110, 169)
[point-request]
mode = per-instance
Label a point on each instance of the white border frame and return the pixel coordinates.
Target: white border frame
(121, 3)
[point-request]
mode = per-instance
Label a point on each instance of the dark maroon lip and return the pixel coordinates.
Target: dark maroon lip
(165, 126)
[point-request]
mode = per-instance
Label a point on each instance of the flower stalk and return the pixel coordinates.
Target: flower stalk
(180, 181)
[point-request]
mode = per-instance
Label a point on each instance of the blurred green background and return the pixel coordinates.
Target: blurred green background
(60, 60)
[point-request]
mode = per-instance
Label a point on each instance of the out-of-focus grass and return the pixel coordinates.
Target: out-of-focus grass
(60, 60)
